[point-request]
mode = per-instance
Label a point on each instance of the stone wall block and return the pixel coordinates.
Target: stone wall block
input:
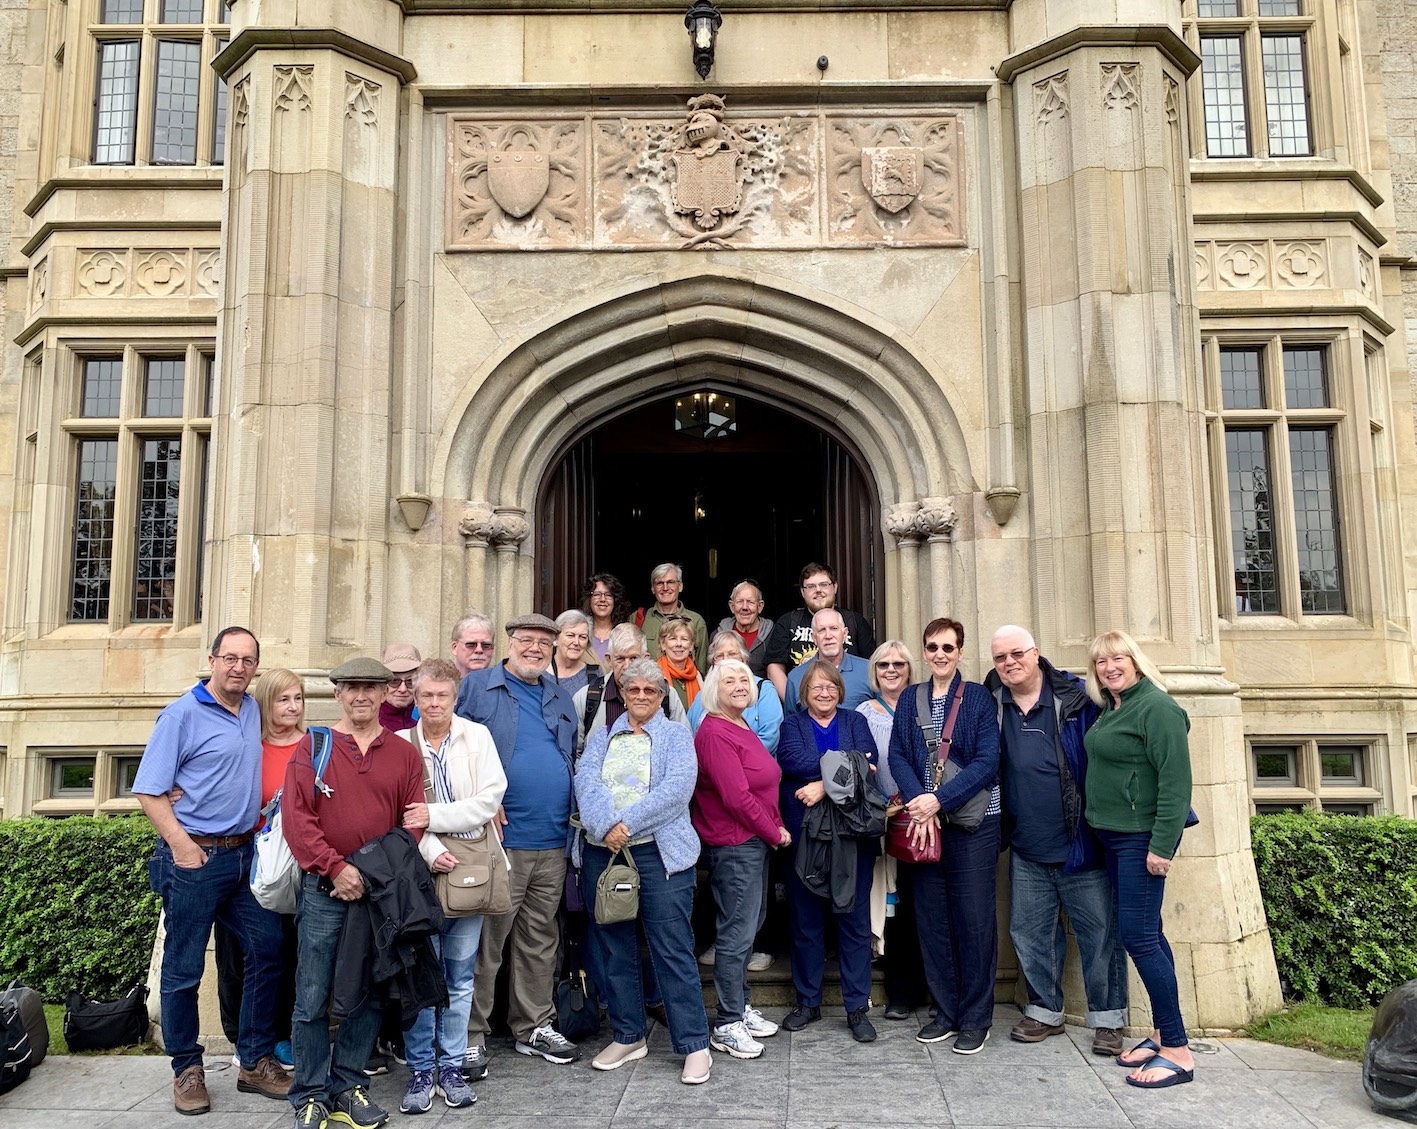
(1234, 983)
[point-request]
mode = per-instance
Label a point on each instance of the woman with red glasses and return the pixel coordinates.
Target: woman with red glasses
(954, 897)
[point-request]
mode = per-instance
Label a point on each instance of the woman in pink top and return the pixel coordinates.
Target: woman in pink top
(735, 812)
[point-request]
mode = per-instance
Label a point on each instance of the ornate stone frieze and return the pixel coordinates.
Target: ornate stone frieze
(208, 275)
(1050, 99)
(160, 273)
(1263, 264)
(361, 100)
(292, 86)
(1173, 102)
(1300, 265)
(163, 272)
(1204, 275)
(102, 274)
(1120, 89)
(704, 179)
(1241, 266)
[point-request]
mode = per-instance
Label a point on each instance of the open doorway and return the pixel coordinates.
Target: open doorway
(757, 501)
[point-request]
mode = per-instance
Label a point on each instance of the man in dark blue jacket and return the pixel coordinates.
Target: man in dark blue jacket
(1054, 863)
(533, 725)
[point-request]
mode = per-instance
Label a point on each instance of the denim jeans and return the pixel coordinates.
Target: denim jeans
(321, 1072)
(1139, 896)
(457, 950)
(808, 914)
(737, 876)
(1040, 892)
(666, 913)
(193, 900)
(959, 934)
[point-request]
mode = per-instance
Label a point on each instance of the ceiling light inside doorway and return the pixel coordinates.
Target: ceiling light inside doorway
(705, 415)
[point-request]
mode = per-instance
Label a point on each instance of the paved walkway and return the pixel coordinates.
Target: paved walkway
(817, 1079)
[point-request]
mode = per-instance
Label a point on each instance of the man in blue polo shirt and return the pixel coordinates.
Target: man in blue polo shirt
(207, 744)
(533, 725)
(829, 634)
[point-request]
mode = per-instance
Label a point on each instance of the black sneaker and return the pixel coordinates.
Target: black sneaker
(971, 1042)
(897, 1009)
(800, 1016)
(312, 1115)
(474, 1063)
(551, 1045)
(935, 1032)
(377, 1064)
(354, 1108)
(861, 1029)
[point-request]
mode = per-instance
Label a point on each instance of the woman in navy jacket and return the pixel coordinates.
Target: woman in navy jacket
(954, 898)
(820, 726)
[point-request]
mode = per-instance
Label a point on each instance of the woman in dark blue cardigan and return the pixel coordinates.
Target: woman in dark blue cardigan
(821, 726)
(954, 898)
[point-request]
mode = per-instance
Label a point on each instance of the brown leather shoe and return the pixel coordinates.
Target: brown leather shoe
(1107, 1041)
(1030, 1030)
(189, 1091)
(267, 1077)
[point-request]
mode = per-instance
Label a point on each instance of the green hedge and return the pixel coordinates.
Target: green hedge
(1340, 893)
(75, 909)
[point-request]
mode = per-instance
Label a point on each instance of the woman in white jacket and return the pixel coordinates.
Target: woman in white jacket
(461, 761)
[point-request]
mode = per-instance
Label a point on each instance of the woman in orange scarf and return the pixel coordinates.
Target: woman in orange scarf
(676, 658)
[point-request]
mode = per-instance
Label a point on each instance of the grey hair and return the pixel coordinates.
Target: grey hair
(1015, 629)
(572, 617)
(886, 648)
(728, 636)
(709, 694)
(828, 611)
(661, 571)
(625, 637)
(740, 586)
(644, 670)
(472, 619)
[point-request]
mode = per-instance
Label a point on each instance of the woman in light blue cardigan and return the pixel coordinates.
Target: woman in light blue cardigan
(633, 784)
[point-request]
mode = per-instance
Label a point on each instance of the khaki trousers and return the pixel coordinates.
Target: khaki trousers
(538, 882)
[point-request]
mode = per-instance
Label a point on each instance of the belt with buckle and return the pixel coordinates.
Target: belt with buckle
(221, 840)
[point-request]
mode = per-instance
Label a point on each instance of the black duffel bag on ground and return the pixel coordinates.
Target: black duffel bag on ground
(99, 1025)
(31, 1009)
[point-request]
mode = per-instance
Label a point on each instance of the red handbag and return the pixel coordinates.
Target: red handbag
(899, 844)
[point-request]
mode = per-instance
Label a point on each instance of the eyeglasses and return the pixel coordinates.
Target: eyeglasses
(642, 692)
(666, 584)
(601, 596)
(892, 664)
(236, 660)
(826, 587)
(476, 645)
(1017, 656)
(532, 642)
(400, 680)
(947, 648)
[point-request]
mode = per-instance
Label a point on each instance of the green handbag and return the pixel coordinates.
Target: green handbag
(617, 891)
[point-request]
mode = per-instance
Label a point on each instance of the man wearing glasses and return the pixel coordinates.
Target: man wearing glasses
(208, 745)
(1055, 863)
(791, 642)
(398, 712)
(667, 582)
(533, 725)
(472, 643)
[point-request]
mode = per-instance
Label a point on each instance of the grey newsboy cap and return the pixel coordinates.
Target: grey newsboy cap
(531, 622)
(360, 670)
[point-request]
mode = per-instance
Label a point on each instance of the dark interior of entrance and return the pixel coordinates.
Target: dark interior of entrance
(758, 502)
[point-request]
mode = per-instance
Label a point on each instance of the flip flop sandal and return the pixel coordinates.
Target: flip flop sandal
(1175, 1078)
(1144, 1045)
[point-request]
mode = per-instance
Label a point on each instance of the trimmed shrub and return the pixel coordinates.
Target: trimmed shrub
(1340, 893)
(75, 904)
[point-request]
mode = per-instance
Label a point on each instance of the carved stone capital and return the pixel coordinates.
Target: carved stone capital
(900, 521)
(936, 519)
(477, 523)
(509, 527)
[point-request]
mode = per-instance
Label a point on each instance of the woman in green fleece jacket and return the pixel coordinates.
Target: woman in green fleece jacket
(1138, 794)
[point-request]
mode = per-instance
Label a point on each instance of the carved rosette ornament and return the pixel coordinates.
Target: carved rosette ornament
(901, 523)
(1299, 265)
(509, 527)
(477, 523)
(937, 518)
(1241, 266)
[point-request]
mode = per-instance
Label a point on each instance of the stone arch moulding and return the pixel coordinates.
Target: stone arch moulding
(839, 366)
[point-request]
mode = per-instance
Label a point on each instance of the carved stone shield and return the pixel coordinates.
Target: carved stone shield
(518, 179)
(893, 175)
(708, 187)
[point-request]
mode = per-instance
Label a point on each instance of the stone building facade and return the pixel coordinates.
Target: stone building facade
(1104, 311)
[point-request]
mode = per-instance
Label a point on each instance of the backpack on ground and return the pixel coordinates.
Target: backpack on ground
(31, 1009)
(275, 875)
(16, 1051)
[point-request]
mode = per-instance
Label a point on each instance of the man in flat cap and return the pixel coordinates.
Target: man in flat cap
(372, 775)
(398, 712)
(534, 728)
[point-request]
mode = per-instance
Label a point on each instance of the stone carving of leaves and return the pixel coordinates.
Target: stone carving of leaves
(208, 271)
(937, 517)
(510, 526)
(160, 273)
(901, 521)
(1119, 86)
(1300, 265)
(933, 216)
(361, 100)
(476, 220)
(1173, 101)
(102, 273)
(1241, 266)
(293, 86)
(476, 522)
(1051, 98)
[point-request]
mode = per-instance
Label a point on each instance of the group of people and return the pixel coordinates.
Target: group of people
(621, 737)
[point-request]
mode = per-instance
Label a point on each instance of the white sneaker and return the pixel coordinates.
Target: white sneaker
(734, 1039)
(706, 957)
(551, 1045)
(760, 962)
(757, 1024)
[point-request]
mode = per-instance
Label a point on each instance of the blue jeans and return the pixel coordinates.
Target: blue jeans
(1040, 892)
(808, 914)
(737, 876)
(321, 1072)
(666, 913)
(959, 934)
(1139, 896)
(457, 950)
(193, 901)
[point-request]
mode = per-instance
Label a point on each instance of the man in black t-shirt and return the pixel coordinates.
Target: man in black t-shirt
(790, 643)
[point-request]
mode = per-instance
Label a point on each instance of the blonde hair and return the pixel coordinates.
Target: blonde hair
(272, 685)
(669, 626)
(886, 648)
(1118, 643)
(709, 694)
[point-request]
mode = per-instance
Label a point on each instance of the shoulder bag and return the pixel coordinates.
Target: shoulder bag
(617, 890)
(899, 844)
(275, 875)
(478, 882)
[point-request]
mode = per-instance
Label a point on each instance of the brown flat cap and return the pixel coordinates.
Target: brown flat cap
(532, 622)
(360, 670)
(401, 657)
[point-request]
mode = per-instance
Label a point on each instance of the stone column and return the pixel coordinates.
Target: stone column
(509, 529)
(303, 403)
(936, 522)
(1117, 463)
(900, 523)
(478, 527)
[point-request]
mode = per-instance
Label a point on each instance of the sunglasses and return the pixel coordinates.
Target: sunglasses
(1000, 659)
(947, 648)
(476, 646)
(892, 664)
(400, 680)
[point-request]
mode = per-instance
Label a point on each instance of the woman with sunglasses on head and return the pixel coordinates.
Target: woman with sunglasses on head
(397, 711)
(954, 897)
(604, 600)
(891, 665)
